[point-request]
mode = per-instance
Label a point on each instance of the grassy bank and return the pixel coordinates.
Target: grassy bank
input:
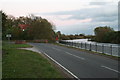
(26, 64)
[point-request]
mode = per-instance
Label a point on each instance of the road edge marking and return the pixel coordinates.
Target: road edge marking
(56, 49)
(75, 56)
(62, 66)
(110, 69)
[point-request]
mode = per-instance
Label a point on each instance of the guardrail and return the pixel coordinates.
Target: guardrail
(101, 48)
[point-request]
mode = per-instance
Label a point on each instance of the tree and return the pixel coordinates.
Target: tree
(100, 33)
(59, 35)
(42, 29)
(113, 37)
(4, 27)
(17, 33)
(37, 28)
(65, 37)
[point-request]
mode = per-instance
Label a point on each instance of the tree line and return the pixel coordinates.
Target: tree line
(103, 34)
(106, 34)
(73, 36)
(38, 28)
(27, 28)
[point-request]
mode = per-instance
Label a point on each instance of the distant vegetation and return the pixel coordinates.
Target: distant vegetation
(106, 34)
(71, 37)
(27, 28)
(37, 28)
(103, 34)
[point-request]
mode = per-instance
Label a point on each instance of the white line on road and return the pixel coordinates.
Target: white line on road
(56, 49)
(62, 66)
(110, 69)
(76, 56)
(70, 54)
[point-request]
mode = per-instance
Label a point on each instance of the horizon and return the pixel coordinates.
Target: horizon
(69, 17)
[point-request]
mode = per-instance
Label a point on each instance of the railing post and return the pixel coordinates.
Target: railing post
(75, 44)
(81, 45)
(78, 45)
(85, 45)
(67, 42)
(111, 49)
(102, 48)
(96, 47)
(72, 43)
(90, 47)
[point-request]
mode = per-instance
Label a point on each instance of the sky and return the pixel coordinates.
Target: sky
(69, 16)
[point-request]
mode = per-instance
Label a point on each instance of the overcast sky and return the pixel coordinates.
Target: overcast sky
(69, 16)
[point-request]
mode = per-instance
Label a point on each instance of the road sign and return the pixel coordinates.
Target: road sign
(8, 35)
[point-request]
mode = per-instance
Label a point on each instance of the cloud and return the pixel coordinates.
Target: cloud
(86, 28)
(106, 19)
(70, 22)
(103, 13)
(86, 19)
(98, 3)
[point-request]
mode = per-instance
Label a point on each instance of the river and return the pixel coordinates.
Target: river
(86, 41)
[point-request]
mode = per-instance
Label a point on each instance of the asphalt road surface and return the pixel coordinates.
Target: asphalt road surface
(78, 63)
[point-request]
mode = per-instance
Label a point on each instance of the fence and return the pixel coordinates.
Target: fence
(101, 48)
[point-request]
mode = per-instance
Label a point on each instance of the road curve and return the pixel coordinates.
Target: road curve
(80, 64)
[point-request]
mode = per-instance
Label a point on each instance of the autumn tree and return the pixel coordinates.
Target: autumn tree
(42, 29)
(100, 33)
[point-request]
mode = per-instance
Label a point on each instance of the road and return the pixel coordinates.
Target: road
(78, 63)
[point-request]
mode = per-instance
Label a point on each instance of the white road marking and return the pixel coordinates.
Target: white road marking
(70, 54)
(62, 66)
(110, 69)
(75, 56)
(56, 49)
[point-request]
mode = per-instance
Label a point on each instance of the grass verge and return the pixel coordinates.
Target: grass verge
(19, 63)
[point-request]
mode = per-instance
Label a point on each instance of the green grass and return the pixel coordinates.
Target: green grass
(19, 63)
(7, 45)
